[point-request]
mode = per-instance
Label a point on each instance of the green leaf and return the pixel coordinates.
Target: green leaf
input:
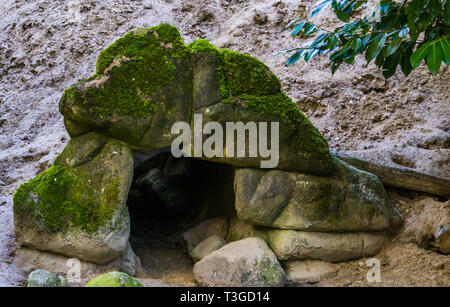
(404, 32)
(444, 44)
(319, 8)
(375, 47)
(420, 54)
(405, 57)
(309, 29)
(434, 58)
(434, 52)
(342, 16)
(292, 22)
(332, 40)
(335, 55)
(390, 65)
(393, 46)
(447, 13)
(379, 60)
(318, 39)
(310, 54)
(335, 67)
(298, 28)
(347, 46)
(434, 8)
(294, 58)
(356, 44)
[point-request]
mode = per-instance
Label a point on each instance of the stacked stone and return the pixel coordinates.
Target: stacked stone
(312, 206)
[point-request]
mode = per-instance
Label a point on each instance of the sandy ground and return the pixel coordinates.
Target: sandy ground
(45, 46)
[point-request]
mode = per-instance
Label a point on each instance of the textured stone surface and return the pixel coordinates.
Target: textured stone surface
(332, 247)
(44, 278)
(430, 227)
(197, 234)
(28, 260)
(244, 263)
(114, 280)
(78, 210)
(149, 79)
(207, 247)
(349, 200)
(309, 271)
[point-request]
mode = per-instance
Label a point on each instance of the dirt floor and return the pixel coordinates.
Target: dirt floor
(46, 46)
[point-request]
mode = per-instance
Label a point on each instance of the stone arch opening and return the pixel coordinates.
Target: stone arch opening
(170, 195)
(174, 193)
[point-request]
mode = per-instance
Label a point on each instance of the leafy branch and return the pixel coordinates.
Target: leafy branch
(389, 35)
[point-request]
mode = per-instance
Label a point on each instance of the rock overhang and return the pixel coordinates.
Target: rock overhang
(149, 79)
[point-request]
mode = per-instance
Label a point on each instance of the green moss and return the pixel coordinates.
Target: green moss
(239, 73)
(202, 45)
(62, 198)
(271, 272)
(246, 75)
(114, 279)
(130, 71)
(280, 107)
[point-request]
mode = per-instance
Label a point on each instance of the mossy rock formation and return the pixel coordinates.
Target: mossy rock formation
(114, 280)
(144, 83)
(149, 79)
(78, 206)
(348, 200)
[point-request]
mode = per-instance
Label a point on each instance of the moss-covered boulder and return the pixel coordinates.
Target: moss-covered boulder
(349, 200)
(148, 80)
(45, 278)
(243, 89)
(244, 263)
(142, 85)
(77, 207)
(114, 280)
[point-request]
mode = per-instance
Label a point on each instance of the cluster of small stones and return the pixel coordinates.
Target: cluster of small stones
(313, 206)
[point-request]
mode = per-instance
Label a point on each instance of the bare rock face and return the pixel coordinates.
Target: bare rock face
(77, 207)
(326, 246)
(349, 200)
(430, 228)
(244, 263)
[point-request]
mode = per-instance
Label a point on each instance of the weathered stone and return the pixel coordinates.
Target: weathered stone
(148, 80)
(309, 271)
(349, 200)
(202, 231)
(239, 230)
(142, 86)
(251, 93)
(77, 208)
(430, 227)
(115, 280)
(44, 278)
(207, 247)
(28, 260)
(332, 247)
(244, 263)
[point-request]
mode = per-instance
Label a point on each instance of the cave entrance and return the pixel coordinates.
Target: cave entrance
(168, 196)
